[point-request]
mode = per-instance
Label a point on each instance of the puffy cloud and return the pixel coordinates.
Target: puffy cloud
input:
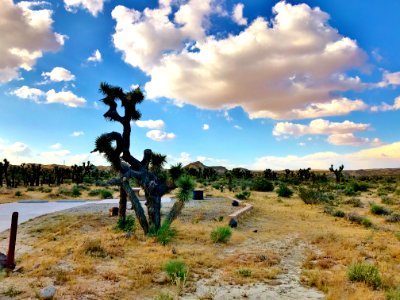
(93, 6)
(318, 126)
(160, 136)
(206, 126)
(25, 92)
(293, 78)
(151, 124)
(56, 146)
(65, 97)
(95, 57)
(144, 37)
(25, 34)
(77, 133)
(15, 149)
(184, 158)
(350, 140)
(387, 107)
(386, 156)
(390, 79)
(212, 161)
(237, 14)
(59, 74)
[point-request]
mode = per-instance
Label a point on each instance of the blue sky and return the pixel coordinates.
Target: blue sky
(257, 84)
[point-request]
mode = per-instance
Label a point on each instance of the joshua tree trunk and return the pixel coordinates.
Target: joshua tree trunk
(122, 203)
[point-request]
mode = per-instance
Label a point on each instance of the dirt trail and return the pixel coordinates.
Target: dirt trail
(286, 286)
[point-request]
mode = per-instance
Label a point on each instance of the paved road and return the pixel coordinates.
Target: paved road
(30, 209)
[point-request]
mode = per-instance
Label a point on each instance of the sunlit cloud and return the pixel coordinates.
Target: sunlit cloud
(160, 136)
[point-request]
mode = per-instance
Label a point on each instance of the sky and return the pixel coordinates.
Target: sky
(256, 84)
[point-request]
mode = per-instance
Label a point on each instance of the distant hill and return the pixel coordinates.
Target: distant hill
(197, 165)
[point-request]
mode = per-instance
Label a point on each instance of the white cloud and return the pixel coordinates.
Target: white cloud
(386, 156)
(56, 146)
(389, 79)
(151, 124)
(160, 136)
(237, 14)
(212, 161)
(26, 33)
(93, 6)
(65, 97)
(318, 126)
(25, 92)
(237, 127)
(206, 126)
(387, 107)
(290, 79)
(15, 149)
(334, 107)
(144, 36)
(77, 133)
(59, 74)
(348, 139)
(95, 57)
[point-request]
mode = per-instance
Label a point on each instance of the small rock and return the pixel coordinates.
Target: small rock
(160, 278)
(255, 230)
(233, 223)
(47, 292)
(173, 250)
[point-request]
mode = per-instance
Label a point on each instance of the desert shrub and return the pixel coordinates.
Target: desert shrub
(12, 292)
(106, 194)
(359, 186)
(284, 191)
(243, 195)
(30, 189)
(393, 294)
(334, 212)
(349, 191)
(221, 234)
(165, 233)
(394, 218)
(313, 196)
(163, 296)
(379, 210)
(18, 194)
(75, 191)
(386, 189)
(244, 272)
(94, 248)
(387, 200)
(366, 273)
(355, 202)
(176, 270)
(127, 224)
(356, 218)
(94, 192)
(262, 185)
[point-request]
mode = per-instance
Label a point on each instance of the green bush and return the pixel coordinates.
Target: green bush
(366, 273)
(356, 218)
(106, 194)
(176, 270)
(355, 202)
(284, 191)
(163, 296)
(126, 225)
(221, 234)
(334, 212)
(185, 184)
(75, 191)
(379, 210)
(244, 272)
(313, 196)
(165, 234)
(30, 189)
(18, 193)
(244, 195)
(262, 185)
(94, 192)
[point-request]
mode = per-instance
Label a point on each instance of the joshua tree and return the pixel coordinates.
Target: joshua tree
(175, 172)
(147, 172)
(338, 172)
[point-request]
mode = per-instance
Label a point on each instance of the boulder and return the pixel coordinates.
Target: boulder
(47, 293)
(233, 223)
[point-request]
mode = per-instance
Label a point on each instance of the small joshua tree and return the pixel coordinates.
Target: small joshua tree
(147, 172)
(338, 172)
